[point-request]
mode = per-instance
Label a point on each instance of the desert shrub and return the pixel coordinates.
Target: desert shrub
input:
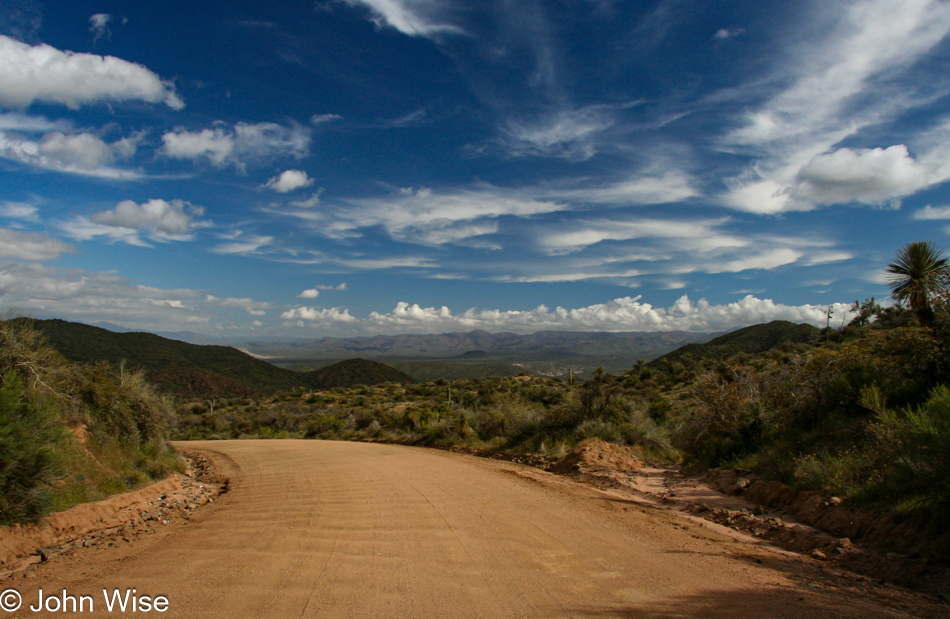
(599, 398)
(323, 425)
(598, 428)
(658, 409)
(31, 434)
(488, 421)
(372, 430)
(640, 430)
(363, 417)
(844, 473)
(915, 454)
(722, 420)
(439, 431)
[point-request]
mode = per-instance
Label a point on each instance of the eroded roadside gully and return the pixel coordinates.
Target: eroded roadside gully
(879, 546)
(114, 521)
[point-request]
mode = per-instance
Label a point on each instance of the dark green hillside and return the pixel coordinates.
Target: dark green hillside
(183, 369)
(193, 371)
(355, 372)
(750, 340)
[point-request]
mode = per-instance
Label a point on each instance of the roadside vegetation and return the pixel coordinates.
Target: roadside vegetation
(520, 413)
(73, 433)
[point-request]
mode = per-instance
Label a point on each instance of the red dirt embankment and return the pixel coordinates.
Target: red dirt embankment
(113, 520)
(880, 545)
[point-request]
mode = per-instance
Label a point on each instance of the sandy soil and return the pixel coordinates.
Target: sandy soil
(333, 529)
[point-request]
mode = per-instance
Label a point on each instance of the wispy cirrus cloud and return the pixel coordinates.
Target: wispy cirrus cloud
(644, 249)
(700, 234)
(424, 216)
(31, 246)
(94, 296)
(99, 26)
(728, 33)
(470, 215)
(252, 307)
(566, 134)
(831, 73)
(18, 121)
(243, 244)
(425, 18)
(933, 212)
(19, 210)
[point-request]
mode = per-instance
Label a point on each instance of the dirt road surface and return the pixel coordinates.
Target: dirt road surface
(335, 529)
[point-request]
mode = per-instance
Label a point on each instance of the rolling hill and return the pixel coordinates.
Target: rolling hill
(752, 340)
(201, 371)
(354, 372)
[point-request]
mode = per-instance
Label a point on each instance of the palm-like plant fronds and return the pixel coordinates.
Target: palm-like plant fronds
(917, 275)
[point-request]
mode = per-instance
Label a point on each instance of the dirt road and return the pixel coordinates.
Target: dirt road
(331, 529)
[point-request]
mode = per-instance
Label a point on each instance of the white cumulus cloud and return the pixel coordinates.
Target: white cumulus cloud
(622, 314)
(175, 217)
(311, 314)
(289, 180)
(159, 220)
(238, 145)
(872, 176)
(44, 73)
(313, 293)
(82, 153)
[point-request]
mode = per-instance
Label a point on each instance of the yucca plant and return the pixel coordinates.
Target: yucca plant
(918, 275)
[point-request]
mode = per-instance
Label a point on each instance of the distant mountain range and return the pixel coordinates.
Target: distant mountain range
(540, 346)
(258, 368)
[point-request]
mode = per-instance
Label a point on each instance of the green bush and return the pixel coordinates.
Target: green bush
(31, 433)
(915, 445)
(72, 433)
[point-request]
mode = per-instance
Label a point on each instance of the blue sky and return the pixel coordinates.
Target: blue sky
(388, 166)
